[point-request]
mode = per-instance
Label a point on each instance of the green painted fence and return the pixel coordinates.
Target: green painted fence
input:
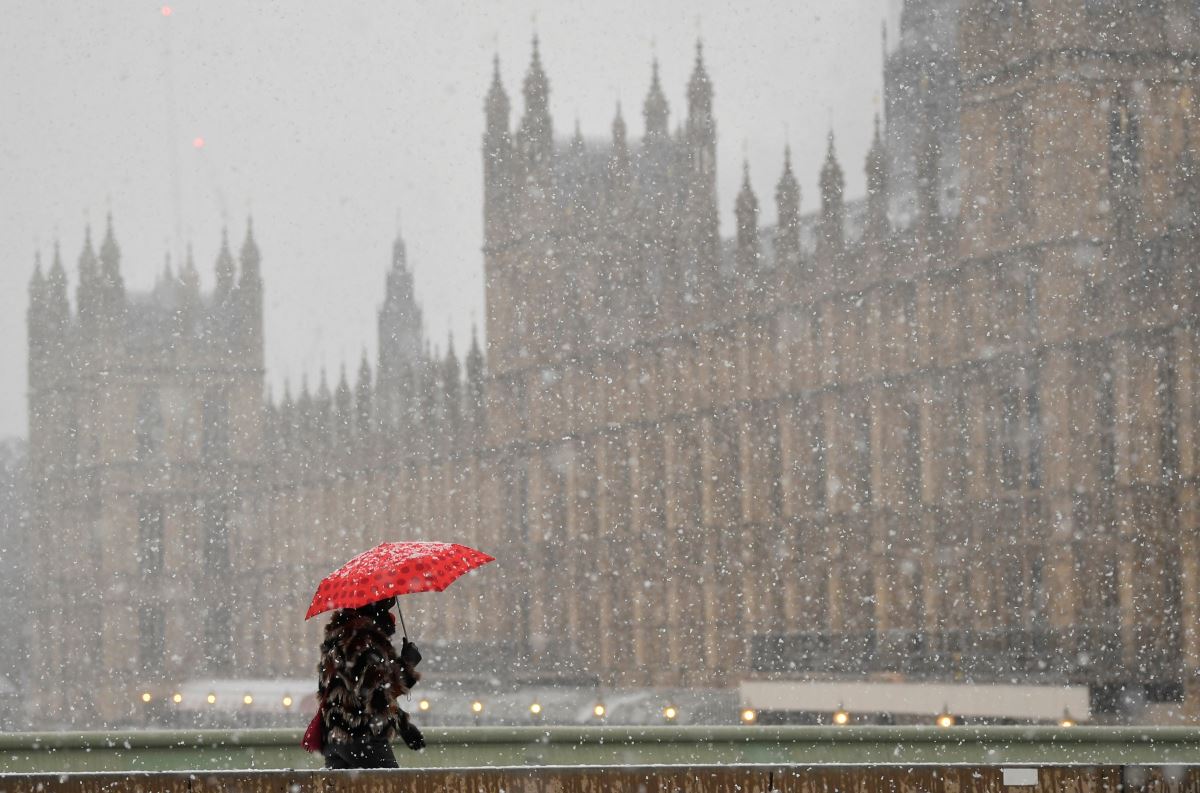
(162, 750)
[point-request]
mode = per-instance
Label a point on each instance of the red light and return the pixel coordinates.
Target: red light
(198, 143)
(166, 11)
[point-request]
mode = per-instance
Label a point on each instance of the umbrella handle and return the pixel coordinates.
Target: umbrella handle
(403, 629)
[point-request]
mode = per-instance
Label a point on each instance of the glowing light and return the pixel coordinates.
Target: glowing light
(212, 699)
(477, 707)
(670, 713)
(1067, 719)
(166, 11)
(247, 700)
(945, 720)
(177, 697)
(599, 710)
(535, 709)
(145, 696)
(423, 705)
(198, 142)
(841, 717)
(749, 716)
(287, 700)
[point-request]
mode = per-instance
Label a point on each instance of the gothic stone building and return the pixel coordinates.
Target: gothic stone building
(946, 433)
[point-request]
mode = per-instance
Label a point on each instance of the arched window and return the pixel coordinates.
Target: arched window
(214, 442)
(148, 426)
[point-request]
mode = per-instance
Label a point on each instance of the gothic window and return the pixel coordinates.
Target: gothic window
(150, 537)
(1010, 438)
(860, 452)
(218, 635)
(216, 540)
(1033, 431)
(148, 426)
(1168, 436)
(215, 428)
(911, 429)
(1124, 151)
(151, 639)
(1106, 420)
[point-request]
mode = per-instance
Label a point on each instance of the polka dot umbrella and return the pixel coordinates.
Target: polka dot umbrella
(394, 568)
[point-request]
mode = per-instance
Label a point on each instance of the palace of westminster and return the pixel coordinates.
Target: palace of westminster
(948, 431)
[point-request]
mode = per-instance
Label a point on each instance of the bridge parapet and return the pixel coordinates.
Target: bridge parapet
(625, 779)
(473, 747)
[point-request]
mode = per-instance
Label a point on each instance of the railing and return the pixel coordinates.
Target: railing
(613, 746)
(626, 779)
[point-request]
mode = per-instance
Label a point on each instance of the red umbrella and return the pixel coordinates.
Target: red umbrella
(394, 568)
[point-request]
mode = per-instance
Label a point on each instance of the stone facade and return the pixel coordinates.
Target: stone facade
(934, 444)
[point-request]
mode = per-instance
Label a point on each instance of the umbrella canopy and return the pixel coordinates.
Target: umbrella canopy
(394, 568)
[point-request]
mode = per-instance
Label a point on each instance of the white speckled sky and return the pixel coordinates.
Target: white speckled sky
(338, 123)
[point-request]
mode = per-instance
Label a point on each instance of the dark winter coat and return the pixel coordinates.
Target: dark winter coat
(360, 679)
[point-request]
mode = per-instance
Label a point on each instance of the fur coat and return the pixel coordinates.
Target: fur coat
(360, 679)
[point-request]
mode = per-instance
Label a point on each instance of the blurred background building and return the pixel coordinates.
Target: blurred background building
(944, 434)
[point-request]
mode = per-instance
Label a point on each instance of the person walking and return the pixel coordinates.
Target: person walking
(360, 679)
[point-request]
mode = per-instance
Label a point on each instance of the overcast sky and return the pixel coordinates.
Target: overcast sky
(339, 124)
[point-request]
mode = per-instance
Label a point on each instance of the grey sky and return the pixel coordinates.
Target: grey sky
(338, 123)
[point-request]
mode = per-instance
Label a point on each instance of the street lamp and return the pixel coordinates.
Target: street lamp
(146, 696)
(248, 700)
(946, 718)
(670, 713)
(423, 706)
(211, 698)
(749, 715)
(841, 717)
(599, 711)
(287, 700)
(1067, 719)
(535, 709)
(177, 697)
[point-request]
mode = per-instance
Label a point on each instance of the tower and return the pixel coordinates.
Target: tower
(921, 80)
(400, 343)
(145, 438)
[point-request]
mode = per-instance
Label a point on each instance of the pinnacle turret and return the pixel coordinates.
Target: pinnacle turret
(250, 258)
(833, 184)
(700, 125)
(497, 106)
(746, 213)
(877, 188)
(537, 130)
(225, 269)
(655, 110)
(787, 209)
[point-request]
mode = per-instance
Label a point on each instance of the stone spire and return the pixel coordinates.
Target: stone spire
(250, 293)
(88, 290)
(746, 257)
(877, 189)
(451, 388)
(400, 340)
(496, 106)
(250, 259)
(655, 110)
(58, 309)
(701, 129)
(112, 285)
(537, 130)
(787, 211)
(362, 396)
(226, 274)
(37, 300)
(476, 394)
(830, 238)
(618, 162)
